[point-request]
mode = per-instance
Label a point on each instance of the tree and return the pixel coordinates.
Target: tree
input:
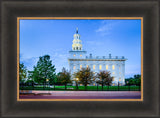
(65, 77)
(85, 76)
(22, 73)
(44, 70)
(137, 76)
(135, 80)
(104, 78)
(30, 80)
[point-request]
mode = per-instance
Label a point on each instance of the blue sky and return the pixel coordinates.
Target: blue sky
(99, 37)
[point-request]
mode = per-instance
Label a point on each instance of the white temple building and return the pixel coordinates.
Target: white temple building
(78, 58)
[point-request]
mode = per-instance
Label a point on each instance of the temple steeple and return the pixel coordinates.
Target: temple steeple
(77, 43)
(77, 30)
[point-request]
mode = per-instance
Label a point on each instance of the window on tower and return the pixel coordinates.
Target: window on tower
(80, 66)
(100, 67)
(113, 67)
(94, 67)
(106, 67)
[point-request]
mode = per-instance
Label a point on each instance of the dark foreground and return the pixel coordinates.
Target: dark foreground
(81, 95)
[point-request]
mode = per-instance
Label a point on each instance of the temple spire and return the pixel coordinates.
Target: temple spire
(77, 43)
(77, 30)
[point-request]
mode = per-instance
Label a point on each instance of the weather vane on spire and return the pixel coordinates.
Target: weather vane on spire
(77, 30)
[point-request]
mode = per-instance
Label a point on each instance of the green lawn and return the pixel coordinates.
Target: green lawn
(82, 88)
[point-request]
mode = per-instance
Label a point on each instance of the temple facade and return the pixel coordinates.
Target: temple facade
(78, 59)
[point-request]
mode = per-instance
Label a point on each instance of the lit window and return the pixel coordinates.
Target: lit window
(113, 67)
(119, 79)
(74, 55)
(80, 55)
(94, 67)
(106, 67)
(100, 67)
(113, 73)
(87, 66)
(74, 67)
(80, 66)
(113, 79)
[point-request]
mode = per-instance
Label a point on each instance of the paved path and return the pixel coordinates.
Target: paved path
(83, 95)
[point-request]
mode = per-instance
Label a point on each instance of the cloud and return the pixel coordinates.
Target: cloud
(95, 43)
(60, 60)
(106, 27)
(29, 62)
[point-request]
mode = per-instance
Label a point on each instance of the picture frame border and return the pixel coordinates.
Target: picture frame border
(147, 9)
(78, 18)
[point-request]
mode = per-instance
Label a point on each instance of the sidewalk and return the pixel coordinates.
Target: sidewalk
(83, 95)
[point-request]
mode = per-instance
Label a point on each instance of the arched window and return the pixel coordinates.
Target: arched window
(77, 48)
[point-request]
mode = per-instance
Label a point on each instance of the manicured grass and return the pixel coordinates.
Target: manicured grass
(82, 88)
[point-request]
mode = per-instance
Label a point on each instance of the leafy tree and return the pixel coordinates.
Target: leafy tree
(44, 70)
(30, 80)
(58, 79)
(135, 80)
(104, 78)
(65, 77)
(22, 72)
(137, 76)
(52, 80)
(85, 76)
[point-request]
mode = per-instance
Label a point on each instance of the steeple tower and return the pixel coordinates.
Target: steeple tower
(77, 43)
(77, 30)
